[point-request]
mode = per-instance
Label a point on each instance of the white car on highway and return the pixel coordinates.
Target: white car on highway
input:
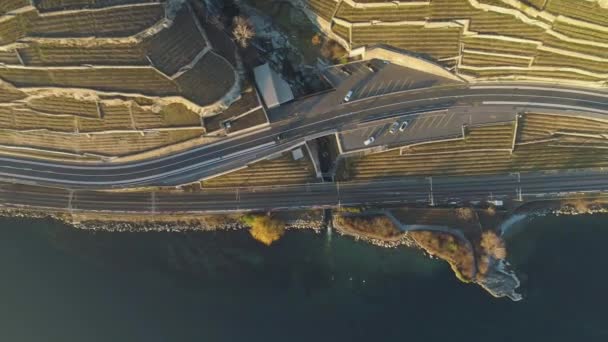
(348, 96)
(369, 141)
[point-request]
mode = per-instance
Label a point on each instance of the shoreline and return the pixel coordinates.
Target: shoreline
(295, 219)
(113, 221)
(498, 279)
(122, 222)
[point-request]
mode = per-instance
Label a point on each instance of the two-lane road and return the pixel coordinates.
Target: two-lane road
(312, 119)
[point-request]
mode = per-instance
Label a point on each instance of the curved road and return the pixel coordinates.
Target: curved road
(311, 116)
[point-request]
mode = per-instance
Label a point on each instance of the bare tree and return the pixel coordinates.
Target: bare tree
(243, 31)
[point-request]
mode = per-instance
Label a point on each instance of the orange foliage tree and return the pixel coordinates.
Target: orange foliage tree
(493, 245)
(316, 39)
(265, 228)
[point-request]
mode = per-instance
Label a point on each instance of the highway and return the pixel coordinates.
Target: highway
(411, 190)
(315, 116)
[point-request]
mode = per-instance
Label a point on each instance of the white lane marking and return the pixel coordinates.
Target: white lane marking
(165, 174)
(541, 88)
(544, 104)
(394, 87)
(380, 86)
(369, 92)
(109, 167)
(443, 116)
(362, 89)
(451, 116)
(433, 121)
(415, 124)
(388, 86)
(398, 85)
(421, 125)
(366, 131)
(150, 161)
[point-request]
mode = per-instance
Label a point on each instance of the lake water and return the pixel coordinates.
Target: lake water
(61, 284)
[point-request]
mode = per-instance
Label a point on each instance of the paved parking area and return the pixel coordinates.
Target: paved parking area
(421, 127)
(374, 77)
(365, 83)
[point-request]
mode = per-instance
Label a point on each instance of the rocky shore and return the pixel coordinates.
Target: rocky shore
(117, 222)
(501, 281)
(475, 254)
(403, 240)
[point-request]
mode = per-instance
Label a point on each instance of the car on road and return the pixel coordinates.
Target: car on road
(369, 141)
(385, 61)
(348, 96)
(394, 127)
(345, 70)
(403, 126)
(279, 137)
(371, 67)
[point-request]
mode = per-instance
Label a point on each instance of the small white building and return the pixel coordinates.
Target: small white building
(297, 154)
(496, 203)
(272, 87)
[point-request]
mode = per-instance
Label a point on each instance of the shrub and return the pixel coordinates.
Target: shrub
(491, 210)
(316, 39)
(377, 225)
(449, 248)
(331, 49)
(264, 228)
(354, 210)
(465, 214)
(492, 245)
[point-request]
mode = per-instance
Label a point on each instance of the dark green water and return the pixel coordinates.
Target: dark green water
(60, 284)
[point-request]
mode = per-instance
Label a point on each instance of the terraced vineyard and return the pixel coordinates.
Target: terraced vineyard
(543, 142)
(562, 130)
(492, 137)
(436, 42)
(483, 39)
(116, 144)
(108, 77)
(104, 22)
(281, 170)
(324, 8)
(589, 11)
(60, 53)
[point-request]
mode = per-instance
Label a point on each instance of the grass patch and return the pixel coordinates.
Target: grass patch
(449, 248)
(376, 226)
